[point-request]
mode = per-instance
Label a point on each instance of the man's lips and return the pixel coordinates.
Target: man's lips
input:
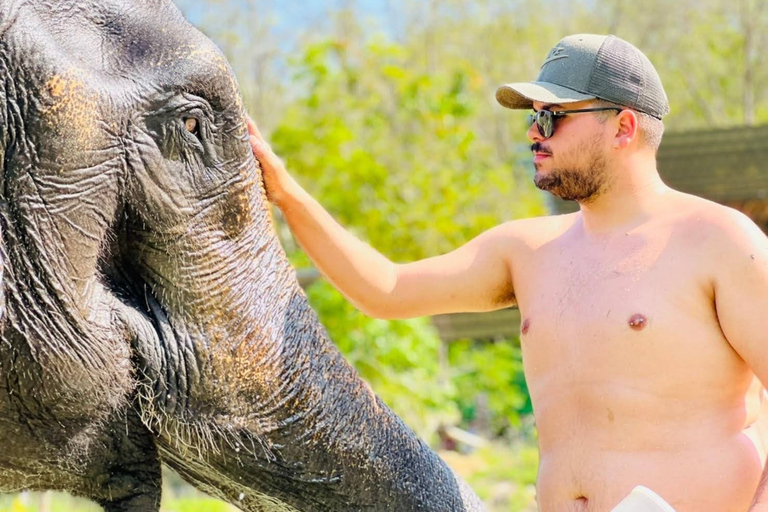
(538, 157)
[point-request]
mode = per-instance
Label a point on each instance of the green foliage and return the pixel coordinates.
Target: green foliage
(502, 466)
(48, 502)
(392, 151)
(196, 504)
(490, 377)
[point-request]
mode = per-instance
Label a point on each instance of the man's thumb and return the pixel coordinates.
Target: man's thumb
(257, 146)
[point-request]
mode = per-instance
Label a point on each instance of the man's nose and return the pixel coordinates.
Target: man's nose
(533, 133)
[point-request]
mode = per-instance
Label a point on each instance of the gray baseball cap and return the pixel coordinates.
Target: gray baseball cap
(585, 67)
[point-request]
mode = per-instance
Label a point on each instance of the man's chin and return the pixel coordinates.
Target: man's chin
(551, 185)
(545, 182)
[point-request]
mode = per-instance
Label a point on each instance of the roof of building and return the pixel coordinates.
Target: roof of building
(724, 165)
(504, 323)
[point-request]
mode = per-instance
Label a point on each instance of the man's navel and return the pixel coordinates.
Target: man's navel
(637, 322)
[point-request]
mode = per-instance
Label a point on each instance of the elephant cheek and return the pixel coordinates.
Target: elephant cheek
(70, 105)
(234, 221)
(236, 215)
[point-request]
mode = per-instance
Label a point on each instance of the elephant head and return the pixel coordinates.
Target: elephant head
(149, 312)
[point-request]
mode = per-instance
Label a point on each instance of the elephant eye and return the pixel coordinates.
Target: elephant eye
(190, 123)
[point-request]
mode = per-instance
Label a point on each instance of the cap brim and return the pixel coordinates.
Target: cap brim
(522, 96)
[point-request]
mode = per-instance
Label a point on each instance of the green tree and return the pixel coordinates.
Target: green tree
(392, 151)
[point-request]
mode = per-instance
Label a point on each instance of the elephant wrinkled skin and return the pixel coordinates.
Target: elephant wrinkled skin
(148, 311)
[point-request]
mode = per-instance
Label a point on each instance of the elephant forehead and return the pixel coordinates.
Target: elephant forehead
(127, 48)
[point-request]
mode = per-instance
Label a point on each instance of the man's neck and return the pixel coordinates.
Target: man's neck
(631, 197)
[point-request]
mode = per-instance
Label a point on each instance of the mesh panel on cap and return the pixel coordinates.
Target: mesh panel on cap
(653, 99)
(618, 74)
(624, 75)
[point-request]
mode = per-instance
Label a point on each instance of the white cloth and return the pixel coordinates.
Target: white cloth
(642, 499)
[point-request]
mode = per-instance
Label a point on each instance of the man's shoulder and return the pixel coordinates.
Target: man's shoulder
(534, 231)
(716, 227)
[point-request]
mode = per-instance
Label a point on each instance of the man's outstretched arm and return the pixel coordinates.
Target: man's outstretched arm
(741, 299)
(475, 277)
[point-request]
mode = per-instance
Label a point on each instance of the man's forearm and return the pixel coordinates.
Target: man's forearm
(357, 270)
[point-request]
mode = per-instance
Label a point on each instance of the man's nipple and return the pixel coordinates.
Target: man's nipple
(637, 322)
(526, 326)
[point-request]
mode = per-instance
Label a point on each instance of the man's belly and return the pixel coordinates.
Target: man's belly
(716, 475)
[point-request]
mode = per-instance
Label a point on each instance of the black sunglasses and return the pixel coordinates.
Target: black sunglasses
(545, 119)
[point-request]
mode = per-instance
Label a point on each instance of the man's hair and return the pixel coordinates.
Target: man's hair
(651, 128)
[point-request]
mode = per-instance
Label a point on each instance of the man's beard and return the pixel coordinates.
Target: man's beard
(583, 182)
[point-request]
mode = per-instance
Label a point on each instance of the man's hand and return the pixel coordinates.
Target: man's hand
(277, 181)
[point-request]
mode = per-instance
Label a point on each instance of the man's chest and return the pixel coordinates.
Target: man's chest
(590, 314)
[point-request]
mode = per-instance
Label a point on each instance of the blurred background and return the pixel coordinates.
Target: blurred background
(384, 110)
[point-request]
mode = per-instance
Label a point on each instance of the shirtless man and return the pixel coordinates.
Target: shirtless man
(645, 314)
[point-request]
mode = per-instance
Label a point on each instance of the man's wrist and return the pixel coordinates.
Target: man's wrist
(290, 196)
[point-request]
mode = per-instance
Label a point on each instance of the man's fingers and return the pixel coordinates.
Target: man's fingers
(259, 147)
(263, 153)
(253, 130)
(271, 166)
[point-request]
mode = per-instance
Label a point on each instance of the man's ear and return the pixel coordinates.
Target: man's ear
(627, 128)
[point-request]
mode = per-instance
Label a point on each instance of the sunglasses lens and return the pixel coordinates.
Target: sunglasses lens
(535, 117)
(544, 122)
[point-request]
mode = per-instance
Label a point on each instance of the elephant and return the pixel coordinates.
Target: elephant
(149, 313)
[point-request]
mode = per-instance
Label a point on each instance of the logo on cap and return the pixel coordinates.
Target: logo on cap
(555, 54)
